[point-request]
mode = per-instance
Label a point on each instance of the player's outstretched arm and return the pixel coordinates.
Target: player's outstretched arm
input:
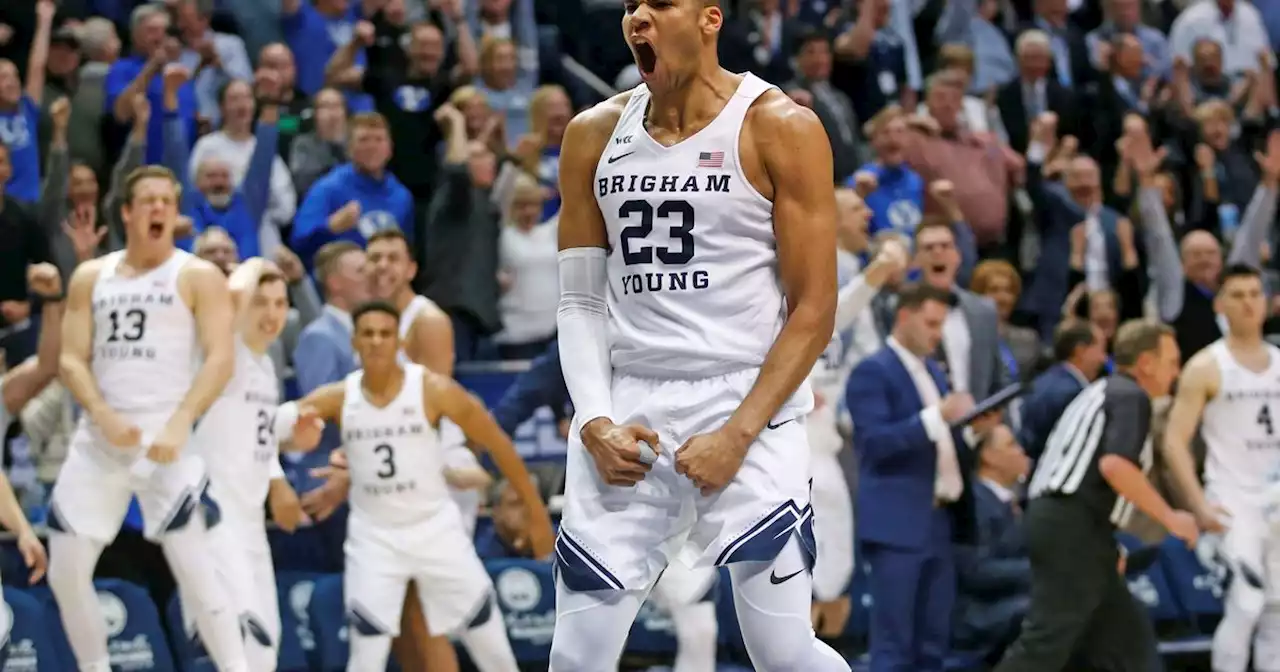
(26, 380)
(1196, 386)
(449, 399)
(582, 317)
(797, 157)
(298, 424)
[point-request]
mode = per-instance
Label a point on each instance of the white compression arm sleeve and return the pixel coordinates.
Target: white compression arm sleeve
(583, 324)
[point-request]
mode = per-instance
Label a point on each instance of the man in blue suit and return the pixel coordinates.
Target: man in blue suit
(1080, 350)
(324, 356)
(914, 495)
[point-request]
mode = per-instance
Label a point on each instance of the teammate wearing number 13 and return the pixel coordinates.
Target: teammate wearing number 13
(1232, 388)
(698, 287)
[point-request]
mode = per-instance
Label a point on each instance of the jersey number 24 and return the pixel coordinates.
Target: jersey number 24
(633, 236)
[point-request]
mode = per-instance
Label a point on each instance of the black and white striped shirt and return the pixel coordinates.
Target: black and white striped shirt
(1111, 416)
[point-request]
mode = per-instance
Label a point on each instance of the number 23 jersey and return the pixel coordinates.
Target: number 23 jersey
(1241, 424)
(693, 266)
(145, 347)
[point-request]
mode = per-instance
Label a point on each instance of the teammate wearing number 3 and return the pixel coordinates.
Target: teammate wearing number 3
(1232, 389)
(146, 349)
(698, 285)
(404, 526)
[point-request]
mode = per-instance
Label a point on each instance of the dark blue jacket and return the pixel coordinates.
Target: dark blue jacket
(542, 385)
(1051, 392)
(993, 589)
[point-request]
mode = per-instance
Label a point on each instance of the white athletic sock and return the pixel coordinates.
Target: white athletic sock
(72, 560)
(774, 616)
(695, 626)
(188, 553)
(369, 653)
(487, 642)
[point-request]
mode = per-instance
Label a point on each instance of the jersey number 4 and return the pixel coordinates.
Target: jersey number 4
(632, 237)
(127, 325)
(1264, 419)
(266, 428)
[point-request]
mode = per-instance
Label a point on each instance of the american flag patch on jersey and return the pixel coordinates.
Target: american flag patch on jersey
(710, 159)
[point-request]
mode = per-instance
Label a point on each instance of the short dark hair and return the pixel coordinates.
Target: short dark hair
(268, 277)
(1237, 271)
(914, 295)
(1136, 337)
(376, 306)
(390, 234)
(931, 223)
(807, 36)
(1070, 335)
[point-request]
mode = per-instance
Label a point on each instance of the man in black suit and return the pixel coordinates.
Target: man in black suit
(1034, 91)
(760, 40)
(812, 88)
(1071, 64)
(994, 587)
(1080, 350)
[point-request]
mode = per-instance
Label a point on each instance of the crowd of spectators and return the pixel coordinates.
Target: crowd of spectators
(1076, 162)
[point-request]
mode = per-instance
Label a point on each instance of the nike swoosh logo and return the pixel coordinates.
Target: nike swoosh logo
(775, 579)
(775, 425)
(615, 159)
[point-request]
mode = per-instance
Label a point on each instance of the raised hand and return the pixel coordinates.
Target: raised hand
(44, 281)
(60, 113)
(81, 228)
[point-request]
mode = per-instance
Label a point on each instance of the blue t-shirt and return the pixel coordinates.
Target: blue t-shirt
(898, 201)
(18, 131)
(384, 204)
(549, 176)
(122, 74)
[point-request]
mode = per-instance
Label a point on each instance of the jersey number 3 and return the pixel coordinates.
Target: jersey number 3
(388, 455)
(681, 233)
(127, 325)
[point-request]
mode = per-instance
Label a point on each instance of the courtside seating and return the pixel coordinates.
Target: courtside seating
(31, 642)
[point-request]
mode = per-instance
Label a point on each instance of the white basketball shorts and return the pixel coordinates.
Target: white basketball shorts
(245, 571)
(621, 538)
(92, 493)
(6, 622)
(435, 554)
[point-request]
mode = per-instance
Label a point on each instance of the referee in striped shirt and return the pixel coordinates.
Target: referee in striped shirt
(1087, 483)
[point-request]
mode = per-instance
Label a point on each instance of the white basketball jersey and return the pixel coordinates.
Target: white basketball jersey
(416, 306)
(236, 438)
(1241, 424)
(145, 347)
(693, 266)
(396, 463)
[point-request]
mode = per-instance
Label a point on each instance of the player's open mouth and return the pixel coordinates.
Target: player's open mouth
(646, 57)
(938, 268)
(156, 229)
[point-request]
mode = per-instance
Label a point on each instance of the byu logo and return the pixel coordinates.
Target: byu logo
(519, 589)
(113, 613)
(373, 222)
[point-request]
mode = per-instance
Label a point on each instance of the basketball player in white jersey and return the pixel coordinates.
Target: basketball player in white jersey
(146, 348)
(426, 338)
(17, 387)
(697, 276)
(1232, 389)
(403, 526)
(236, 438)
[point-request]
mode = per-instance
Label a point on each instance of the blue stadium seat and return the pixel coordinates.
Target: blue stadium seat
(32, 645)
(1198, 590)
(191, 654)
(298, 651)
(1151, 587)
(327, 622)
(526, 595)
(653, 632)
(136, 640)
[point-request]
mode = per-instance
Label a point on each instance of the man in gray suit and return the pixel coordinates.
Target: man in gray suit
(970, 349)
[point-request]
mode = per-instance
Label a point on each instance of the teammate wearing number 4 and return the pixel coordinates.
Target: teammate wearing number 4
(146, 348)
(698, 287)
(403, 526)
(1232, 389)
(237, 441)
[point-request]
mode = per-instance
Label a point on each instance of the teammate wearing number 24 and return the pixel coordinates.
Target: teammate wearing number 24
(698, 287)
(404, 526)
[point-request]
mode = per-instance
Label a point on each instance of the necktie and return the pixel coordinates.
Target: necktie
(940, 357)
